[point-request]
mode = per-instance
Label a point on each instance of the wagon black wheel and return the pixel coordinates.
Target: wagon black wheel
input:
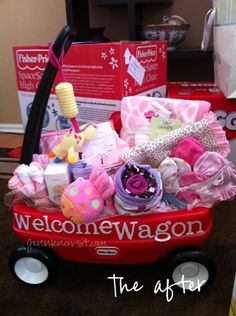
(194, 266)
(35, 266)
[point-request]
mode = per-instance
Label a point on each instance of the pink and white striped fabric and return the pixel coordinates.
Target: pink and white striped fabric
(136, 112)
(49, 140)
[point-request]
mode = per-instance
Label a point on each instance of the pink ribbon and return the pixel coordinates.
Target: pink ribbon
(57, 63)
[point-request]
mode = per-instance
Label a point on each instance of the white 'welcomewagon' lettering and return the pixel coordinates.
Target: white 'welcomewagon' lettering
(161, 233)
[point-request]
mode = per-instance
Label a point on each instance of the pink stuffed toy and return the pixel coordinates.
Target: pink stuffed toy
(83, 200)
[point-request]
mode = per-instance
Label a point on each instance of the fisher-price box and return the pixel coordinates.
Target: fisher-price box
(101, 74)
(225, 109)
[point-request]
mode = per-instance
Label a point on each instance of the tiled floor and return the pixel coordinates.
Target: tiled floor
(10, 140)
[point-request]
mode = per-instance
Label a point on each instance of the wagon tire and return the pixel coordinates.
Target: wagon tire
(192, 265)
(35, 266)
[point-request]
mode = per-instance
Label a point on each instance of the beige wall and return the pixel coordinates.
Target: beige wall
(29, 22)
(23, 22)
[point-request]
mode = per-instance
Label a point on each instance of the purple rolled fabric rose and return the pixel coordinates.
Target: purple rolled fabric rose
(138, 187)
(136, 184)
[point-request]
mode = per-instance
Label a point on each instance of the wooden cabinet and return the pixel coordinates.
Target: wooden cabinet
(134, 8)
(78, 13)
(184, 64)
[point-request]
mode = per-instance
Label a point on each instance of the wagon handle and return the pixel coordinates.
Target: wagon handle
(36, 116)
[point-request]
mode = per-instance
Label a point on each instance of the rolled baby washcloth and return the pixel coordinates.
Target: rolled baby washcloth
(138, 188)
(15, 183)
(81, 169)
(36, 172)
(171, 199)
(171, 170)
(23, 172)
(213, 180)
(28, 180)
(189, 149)
(42, 159)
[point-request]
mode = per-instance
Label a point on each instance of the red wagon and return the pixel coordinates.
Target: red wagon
(46, 236)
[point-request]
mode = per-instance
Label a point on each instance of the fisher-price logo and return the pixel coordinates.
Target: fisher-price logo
(162, 232)
(32, 59)
(146, 54)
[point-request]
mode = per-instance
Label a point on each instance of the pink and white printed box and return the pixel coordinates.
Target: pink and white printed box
(102, 74)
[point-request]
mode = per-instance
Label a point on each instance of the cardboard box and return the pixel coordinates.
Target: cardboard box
(57, 178)
(225, 109)
(102, 74)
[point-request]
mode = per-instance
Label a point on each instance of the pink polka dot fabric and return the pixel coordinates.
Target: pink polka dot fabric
(86, 199)
(83, 200)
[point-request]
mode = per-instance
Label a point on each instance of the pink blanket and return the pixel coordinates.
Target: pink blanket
(136, 112)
